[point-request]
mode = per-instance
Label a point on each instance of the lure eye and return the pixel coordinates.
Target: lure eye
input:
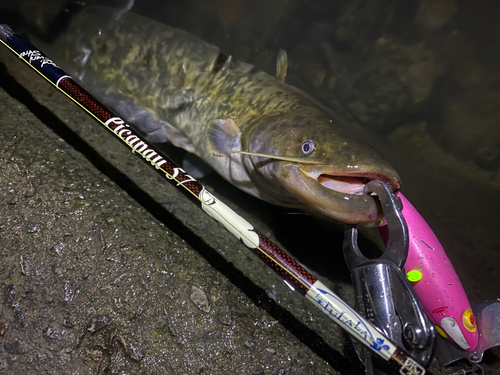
(308, 147)
(469, 320)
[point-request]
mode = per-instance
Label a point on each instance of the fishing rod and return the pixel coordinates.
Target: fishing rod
(398, 360)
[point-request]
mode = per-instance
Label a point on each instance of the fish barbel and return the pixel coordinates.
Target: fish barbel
(265, 137)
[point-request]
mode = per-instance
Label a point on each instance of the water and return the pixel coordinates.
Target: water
(421, 77)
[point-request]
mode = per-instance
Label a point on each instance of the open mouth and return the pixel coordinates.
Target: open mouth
(336, 194)
(343, 184)
(348, 183)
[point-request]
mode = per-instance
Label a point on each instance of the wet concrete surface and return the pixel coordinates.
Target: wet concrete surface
(92, 282)
(95, 281)
(101, 260)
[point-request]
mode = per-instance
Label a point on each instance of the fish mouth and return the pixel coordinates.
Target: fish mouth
(351, 183)
(338, 195)
(343, 184)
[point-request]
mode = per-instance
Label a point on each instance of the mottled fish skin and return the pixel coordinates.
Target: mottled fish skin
(179, 89)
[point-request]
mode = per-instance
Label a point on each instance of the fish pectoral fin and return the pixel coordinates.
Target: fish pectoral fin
(159, 131)
(224, 136)
(177, 138)
(147, 122)
(281, 65)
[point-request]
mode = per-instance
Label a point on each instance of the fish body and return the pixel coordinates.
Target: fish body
(266, 137)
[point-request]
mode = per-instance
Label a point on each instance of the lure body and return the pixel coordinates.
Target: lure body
(436, 282)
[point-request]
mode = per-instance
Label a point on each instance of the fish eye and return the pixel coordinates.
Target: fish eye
(308, 147)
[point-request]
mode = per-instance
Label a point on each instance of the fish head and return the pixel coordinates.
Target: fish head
(322, 165)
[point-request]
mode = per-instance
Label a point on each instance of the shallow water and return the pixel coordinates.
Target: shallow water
(421, 77)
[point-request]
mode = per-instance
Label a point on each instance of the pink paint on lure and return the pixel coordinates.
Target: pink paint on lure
(436, 282)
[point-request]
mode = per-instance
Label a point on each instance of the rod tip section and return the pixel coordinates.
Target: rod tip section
(5, 32)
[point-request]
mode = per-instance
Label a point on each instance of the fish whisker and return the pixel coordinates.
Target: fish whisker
(279, 157)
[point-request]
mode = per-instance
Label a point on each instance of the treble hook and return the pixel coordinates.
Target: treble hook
(472, 371)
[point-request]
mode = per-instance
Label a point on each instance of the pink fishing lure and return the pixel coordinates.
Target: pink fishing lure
(436, 282)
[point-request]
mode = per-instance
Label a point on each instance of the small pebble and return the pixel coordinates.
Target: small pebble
(97, 323)
(96, 354)
(29, 190)
(199, 298)
(131, 350)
